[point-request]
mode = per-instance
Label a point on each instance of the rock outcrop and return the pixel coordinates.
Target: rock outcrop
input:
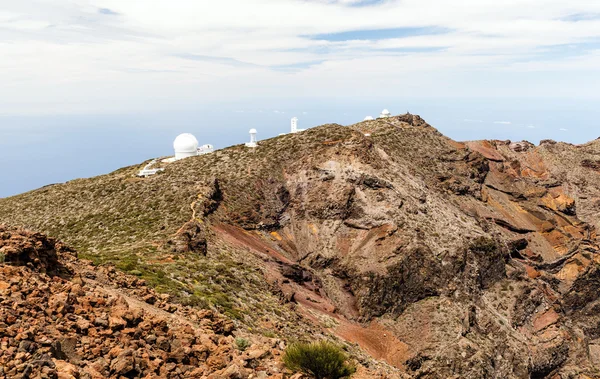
(35, 250)
(103, 324)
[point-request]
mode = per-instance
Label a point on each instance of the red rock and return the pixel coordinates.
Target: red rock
(123, 364)
(66, 370)
(544, 320)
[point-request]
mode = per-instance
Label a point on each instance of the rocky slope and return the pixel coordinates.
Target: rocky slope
(63, 318)
(443, 259)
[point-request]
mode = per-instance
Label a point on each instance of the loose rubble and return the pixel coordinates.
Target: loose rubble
(95, 322)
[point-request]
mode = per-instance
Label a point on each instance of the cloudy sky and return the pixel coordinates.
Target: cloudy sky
(473, 68)
(73, 56)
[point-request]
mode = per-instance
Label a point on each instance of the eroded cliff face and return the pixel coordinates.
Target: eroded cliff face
(475, 255)
(445, 259)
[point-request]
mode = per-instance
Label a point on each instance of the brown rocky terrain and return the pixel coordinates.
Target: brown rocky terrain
(440, 258)
(63, 318)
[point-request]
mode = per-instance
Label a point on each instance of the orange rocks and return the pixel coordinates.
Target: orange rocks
(545, 319)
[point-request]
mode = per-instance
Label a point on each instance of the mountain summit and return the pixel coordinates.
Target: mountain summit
(426, 256)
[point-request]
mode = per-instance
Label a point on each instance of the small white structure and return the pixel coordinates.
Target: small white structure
(385, 114)
(147, 171)
(206, 149)
(295, 126)
(185, 145)
(369, 118)
(252, 142)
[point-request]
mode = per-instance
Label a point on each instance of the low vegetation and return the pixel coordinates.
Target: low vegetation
(242, 344)
(321, 360)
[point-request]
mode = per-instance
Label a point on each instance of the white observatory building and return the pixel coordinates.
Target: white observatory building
(368, 118)
(206, 149)
(252, 142)
(185, 145)
(294, 128)
(385, 114)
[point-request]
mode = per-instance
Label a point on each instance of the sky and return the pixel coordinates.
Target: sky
(123, 78)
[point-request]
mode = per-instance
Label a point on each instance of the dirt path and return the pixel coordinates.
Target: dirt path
(100, 284)
(172, 318)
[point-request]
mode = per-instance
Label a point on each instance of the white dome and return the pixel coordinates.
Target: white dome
(368, 118)
(252, 131)
(385, 111)
(185, 145)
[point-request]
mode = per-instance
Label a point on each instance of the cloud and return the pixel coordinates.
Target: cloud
(472, 120)
(564, 129)
(81, 55)
(107, 11)
(352, 3)
(378, 34)
(503, 122)
(294, 67)
(223, 60)
(581, 17)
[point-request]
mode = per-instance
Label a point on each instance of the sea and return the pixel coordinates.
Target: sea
(38, 150)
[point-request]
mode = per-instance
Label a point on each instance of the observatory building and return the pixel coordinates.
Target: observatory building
(252, 142)
(385, 114)
(294, 128)
(185, 145)
(148, 171)
(206, 149)
(368, 118)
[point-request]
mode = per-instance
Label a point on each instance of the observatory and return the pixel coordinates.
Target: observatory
(368, 118)
(206, 149)
(185, 145)
(252, 142)
(385, 114)
(294, 128)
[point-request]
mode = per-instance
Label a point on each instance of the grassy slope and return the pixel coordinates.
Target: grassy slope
(124, 220)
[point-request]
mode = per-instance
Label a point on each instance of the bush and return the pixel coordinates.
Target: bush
(322, 360)
(242, 343)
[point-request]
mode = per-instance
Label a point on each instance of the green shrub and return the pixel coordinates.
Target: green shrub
(242, 343)
(321, 360)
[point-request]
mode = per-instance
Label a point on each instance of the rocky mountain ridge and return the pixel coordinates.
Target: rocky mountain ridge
(441, 258)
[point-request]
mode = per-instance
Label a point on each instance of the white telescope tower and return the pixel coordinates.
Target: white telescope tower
(252, 142)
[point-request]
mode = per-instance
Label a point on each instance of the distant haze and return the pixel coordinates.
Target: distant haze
(40, 150)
